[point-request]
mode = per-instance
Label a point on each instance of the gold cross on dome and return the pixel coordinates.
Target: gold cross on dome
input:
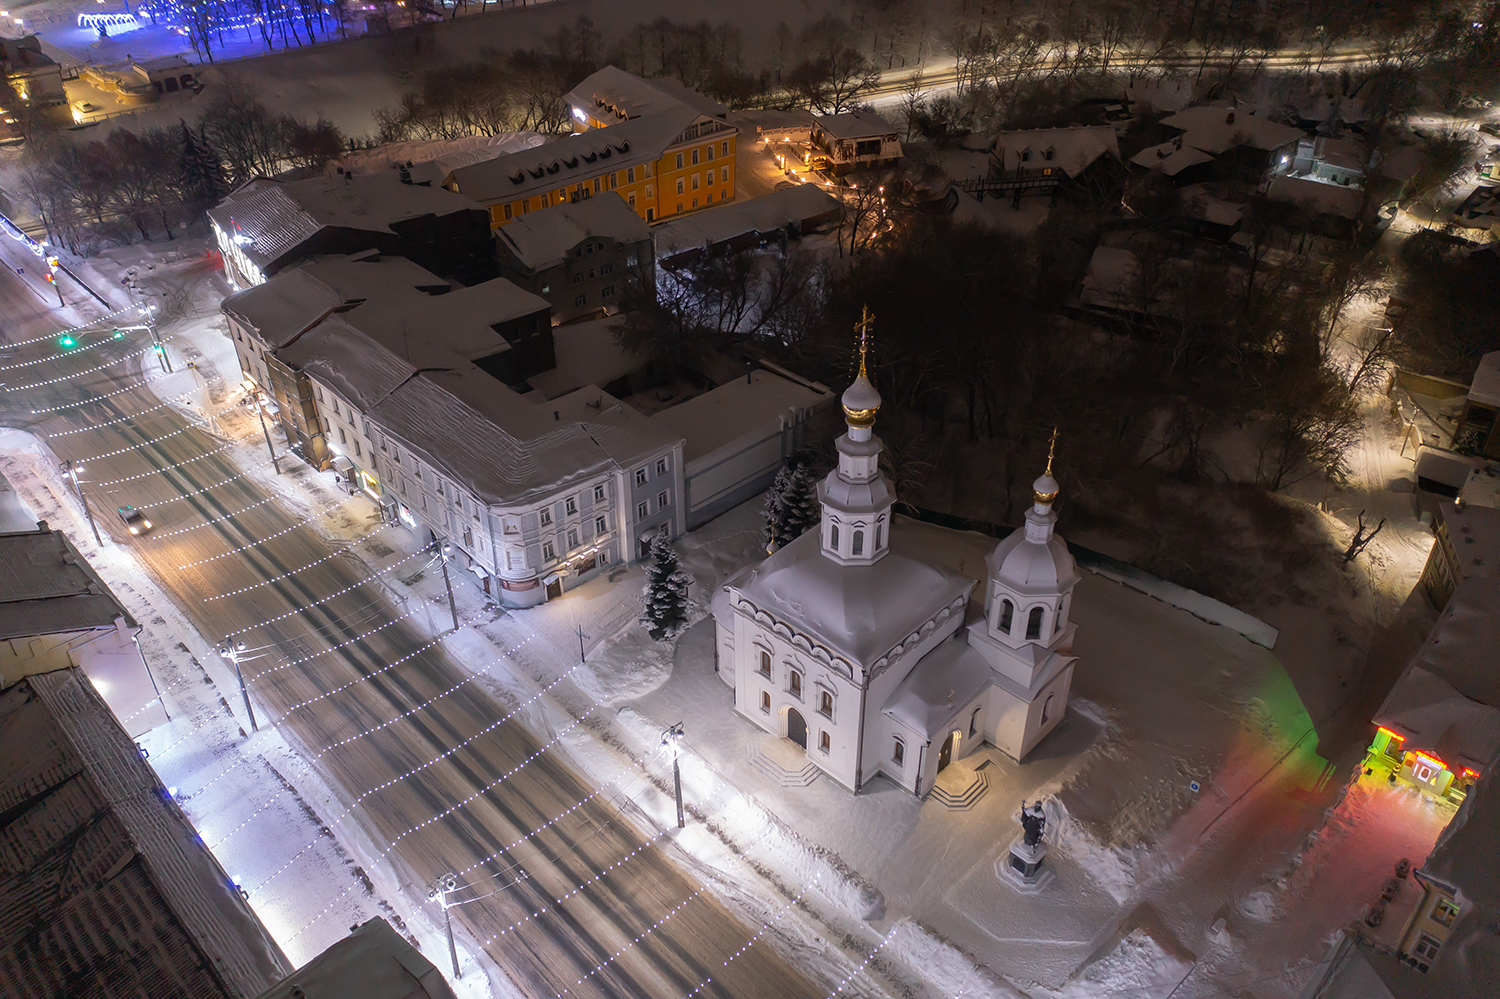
(866, 321)
(1051, 450)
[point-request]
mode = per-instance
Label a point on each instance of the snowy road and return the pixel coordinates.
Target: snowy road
(431, 769)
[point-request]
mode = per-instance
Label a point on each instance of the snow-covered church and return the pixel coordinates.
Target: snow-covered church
(857, 645)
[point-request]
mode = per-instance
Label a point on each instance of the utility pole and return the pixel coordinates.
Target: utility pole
(234, 653)
(673, 737)
(52, 273)
(443, 548)
(260, 411)
(439, 892)
(72, 471)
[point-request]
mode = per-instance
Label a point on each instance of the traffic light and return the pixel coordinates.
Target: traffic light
(161, 348)
(50, 279)
(119, 334)
(68, 342)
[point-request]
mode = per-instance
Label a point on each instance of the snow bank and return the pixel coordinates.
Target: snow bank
(1138, 966)
(926, 956)
(1115, 868)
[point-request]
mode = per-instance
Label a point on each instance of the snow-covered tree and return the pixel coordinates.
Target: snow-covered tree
(202, 172)
(804, 512)
(777, 502)
(791, 506)
(666, 591)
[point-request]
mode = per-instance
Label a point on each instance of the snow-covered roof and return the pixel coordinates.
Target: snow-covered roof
(854, 125)
(1074, 149)
(940, 685)
(613, 92)
(542, 239)
(764, 214)
(1164, 94)
(1217, 129)
(509, 451)
(1447, 701)
(276, 216)
(586, 354)
(47, 588)
(372, 962)
(90, 835)
(1028, 565)
(709, 421)
(431, 158)
(1320, 198)
(859, 612)
(561, 164)
(1170, 158)
(1464, 857)
(1485, 388)
(15, 515)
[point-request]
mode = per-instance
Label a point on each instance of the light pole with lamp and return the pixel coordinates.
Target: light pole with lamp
(234, 652)
(72, 470)
(260, 411)
(673, 737)
(443, 548)
(439, 893)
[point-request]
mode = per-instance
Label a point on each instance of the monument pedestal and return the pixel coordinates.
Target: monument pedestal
(1022, 869)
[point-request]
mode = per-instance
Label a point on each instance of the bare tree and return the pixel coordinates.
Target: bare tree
(1361, 539)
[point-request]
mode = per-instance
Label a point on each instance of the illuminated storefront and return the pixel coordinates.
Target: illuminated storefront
(1422, 770)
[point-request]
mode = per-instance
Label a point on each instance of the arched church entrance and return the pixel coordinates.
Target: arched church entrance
(796, 727)
(950, 746)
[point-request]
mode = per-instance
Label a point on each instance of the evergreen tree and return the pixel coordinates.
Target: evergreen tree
(804, 512)
(202, 172)
(666, 591)
(778, 505)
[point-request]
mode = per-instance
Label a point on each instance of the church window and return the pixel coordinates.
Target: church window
(825, 703)
(898, 753)
(833, 537)
(765, 702)
(879, 535)
(974, 722)
(1047, 708)
(859, 543)
(765, 663)
(1034, 624)
(824, 743)
(794, 683)
(1007, 612)
(1057, 621)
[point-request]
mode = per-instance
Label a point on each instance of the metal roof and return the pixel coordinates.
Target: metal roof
(46, 587)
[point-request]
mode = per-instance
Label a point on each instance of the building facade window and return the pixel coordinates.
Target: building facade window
(661, 466)
(726, 147)
(695, 157)
(570, 505)
(898, 752)
(765, 702)
(1007, 615)
(581, 300)
(661, 499)
(794, 683)
(642, 510)
(825, 704)
(1034, 624)
(1427, 948)
(545, 517)
(679, 185)
(823, 740)
(765, 663)
(858, 545)
(1047, 708)
(548, 552)
(601, 526)
(833, 537)
(608, 292)
(640, 476)
(599, 493)
(974, 722)
(1445, 912)
(724, 174)
(573, 538)
(630, 175)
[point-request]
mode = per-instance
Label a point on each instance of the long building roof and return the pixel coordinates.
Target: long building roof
(47, 588)
(543, 238)
(106, 889)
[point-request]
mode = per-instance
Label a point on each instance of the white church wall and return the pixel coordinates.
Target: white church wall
(883, 686)
(1051, 701)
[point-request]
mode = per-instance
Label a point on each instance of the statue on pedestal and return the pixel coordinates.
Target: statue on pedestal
(1034, 822)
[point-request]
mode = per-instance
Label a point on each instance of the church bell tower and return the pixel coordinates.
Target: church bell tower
(856, 498)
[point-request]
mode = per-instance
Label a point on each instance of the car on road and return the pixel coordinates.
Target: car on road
(135, 521)
(84, 107)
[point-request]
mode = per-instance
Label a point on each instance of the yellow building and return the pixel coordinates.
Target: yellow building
(665, 149)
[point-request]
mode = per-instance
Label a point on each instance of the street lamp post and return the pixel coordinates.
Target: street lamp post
(582, 655)
(443, 549)
(260, 411)
(72, 471)
(439, 892)
(234, 652)
(673, 737)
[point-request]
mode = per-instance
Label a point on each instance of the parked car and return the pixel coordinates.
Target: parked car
(135, 521)
(84, 107)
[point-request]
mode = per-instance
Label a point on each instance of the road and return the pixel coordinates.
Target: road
(595, 911)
